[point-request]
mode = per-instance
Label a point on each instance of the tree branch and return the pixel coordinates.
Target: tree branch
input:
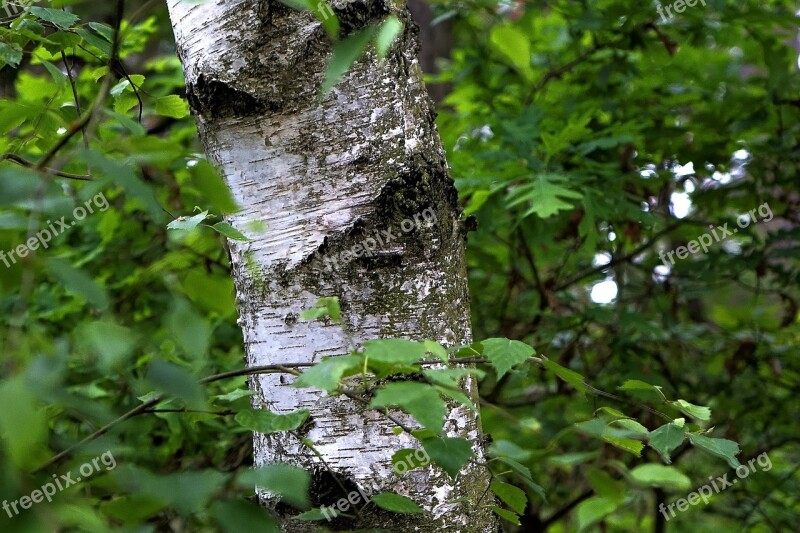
(50, 171)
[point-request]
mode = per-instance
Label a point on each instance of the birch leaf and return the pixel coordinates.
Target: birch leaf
(417, 399)
(396, 503)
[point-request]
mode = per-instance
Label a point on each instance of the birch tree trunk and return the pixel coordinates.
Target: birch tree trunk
(322, 176)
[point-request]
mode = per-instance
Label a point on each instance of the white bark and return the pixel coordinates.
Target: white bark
(323, 174)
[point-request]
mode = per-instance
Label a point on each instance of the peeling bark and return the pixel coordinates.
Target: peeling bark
(316, 176)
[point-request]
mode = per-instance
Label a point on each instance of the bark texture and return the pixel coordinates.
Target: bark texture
(315, 177)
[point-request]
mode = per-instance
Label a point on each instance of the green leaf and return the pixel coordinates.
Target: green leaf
(514, 46)
(524, 474)
(104, 30)
(60, 18)
(119, 88)
(29, 28)
(697, 412)
(229, 231)
(61, 40)
(655, 475)
(629, 445)
(593, 510)
(457, 396)
(450, 377)
(207, 180)
(506, 515)
(132, 127)
(565, 374)
(573, 459)
(387, 33)
(324, 307)
(177, 382)
(79, 282)
(172, 106)
(114, 343)
(327, 373)
(722, 448)
(95, 40)
(267, 422)
(236, 516)
(23, 427)
(187, 492)
(188, 223)
(323, 12)
(665, 439)
(545, 196)
(12, 115)
(316, 514)
(289, 482)
(59, 77)
(512, 496)
(504, 354)
(437, 349)
(565, 136)
(395, 351)
(631, 425)
(345, 53)
(449, 453)
(502, 448)
(299, 5)
(409, 459)
(122, 173)
(189, 328)
(635, 384)
(417, 399)
(613, 413)
(332, 306)
(235, 395)
(599, 427)
(209, 292)
(396, 503)
(605, 485)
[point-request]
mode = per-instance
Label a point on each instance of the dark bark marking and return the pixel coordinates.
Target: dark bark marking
(218, 99)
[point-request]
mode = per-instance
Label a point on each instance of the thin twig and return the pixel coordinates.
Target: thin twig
(98, 103)
(292, 368)
(226, 412)
(74, 93)
(617, 260)
(49, 171)
(100, 432)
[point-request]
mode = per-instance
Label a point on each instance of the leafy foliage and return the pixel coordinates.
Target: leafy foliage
(588, 139)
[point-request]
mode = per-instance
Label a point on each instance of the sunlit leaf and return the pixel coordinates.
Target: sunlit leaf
(722, 448)
(266, 422)
(396, 503)
(417, 399)
(504, 354)
(655, 475)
